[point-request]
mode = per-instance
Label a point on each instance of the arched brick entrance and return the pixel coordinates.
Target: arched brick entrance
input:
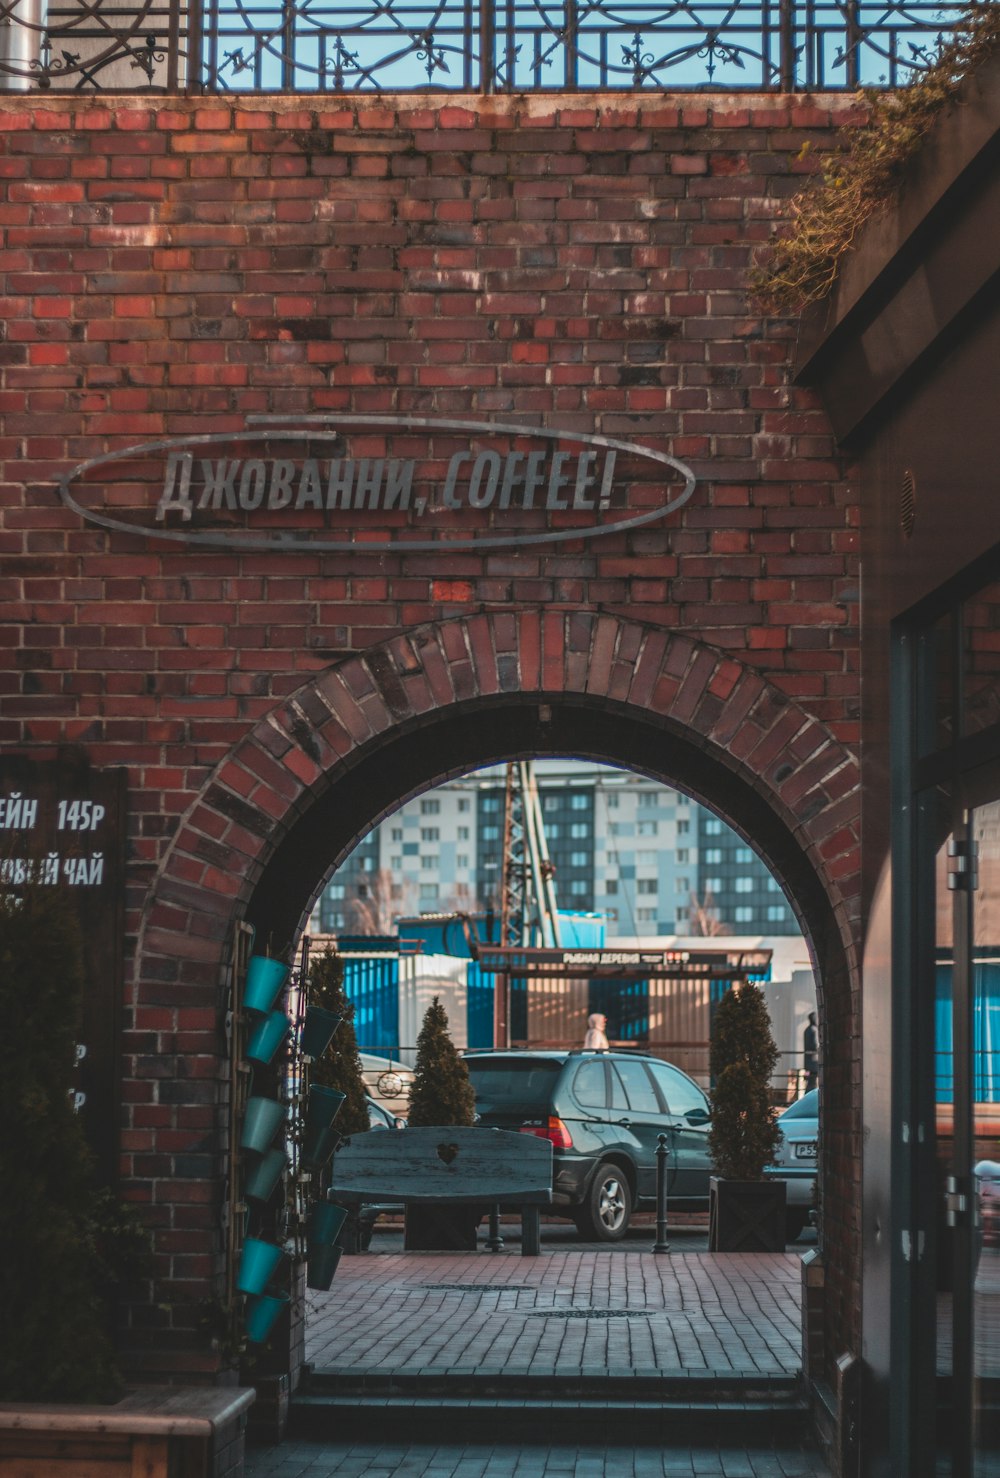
(355, 741)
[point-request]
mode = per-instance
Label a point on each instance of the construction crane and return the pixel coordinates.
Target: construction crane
(528, 915)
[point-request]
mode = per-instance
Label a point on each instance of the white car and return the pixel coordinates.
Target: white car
(795, 1162)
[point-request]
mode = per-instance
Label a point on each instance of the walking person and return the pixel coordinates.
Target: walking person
(596, 1039)
(810, 1052)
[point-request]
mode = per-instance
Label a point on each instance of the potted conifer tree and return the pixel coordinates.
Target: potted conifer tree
(746, 1211)
(340, 1068)
(441, 1094)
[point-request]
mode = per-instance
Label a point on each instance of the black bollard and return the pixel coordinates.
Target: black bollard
(662, 1153)
(494, 1242)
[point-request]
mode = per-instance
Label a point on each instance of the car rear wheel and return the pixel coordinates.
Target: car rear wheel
(604, 1216)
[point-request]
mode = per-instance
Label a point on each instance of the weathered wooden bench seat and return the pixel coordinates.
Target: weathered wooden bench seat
(155, 1432)
(456, 1167)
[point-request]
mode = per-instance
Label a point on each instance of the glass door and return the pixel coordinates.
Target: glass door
(967, 1095)
(985, 1272)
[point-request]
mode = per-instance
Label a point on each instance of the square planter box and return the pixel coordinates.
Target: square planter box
(746, 1215)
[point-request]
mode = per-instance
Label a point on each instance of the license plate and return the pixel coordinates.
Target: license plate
(805, 1149)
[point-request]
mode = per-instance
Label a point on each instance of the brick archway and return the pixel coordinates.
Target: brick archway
(444, 673)
(360, 738)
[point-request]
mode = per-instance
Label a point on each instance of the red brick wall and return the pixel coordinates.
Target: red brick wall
(172, 266)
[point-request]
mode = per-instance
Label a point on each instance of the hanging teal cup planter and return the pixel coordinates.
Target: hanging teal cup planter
(262, 1179)
(321, 1264)
(317, 1151)
(257, 1264)
(261, 1122)
(317, 1033)
(265, 977)
(318, 1138)
(267, 1036)
(262, 1315)
(323, 1223)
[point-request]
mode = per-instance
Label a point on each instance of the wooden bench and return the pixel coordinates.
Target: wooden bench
(154, 1432)
(483, 1168)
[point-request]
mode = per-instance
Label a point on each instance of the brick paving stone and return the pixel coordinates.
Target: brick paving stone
(352, 1460)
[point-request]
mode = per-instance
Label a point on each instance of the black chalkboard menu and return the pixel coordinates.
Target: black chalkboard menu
(62, 824)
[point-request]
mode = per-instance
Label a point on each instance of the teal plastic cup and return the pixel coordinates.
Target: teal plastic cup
(261, 1121)
(318, 1030)
(318, 1138)
(267, 1036)
(323, 1223)
(258, 1262)
(260, 1182)
(321, 1264)
(265, 977)
(262, 1315)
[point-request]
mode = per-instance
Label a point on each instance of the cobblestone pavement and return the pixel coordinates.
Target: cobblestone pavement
(401, 1460)
(565, 1310)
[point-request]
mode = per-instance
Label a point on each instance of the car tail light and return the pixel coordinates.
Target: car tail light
(554, 1129)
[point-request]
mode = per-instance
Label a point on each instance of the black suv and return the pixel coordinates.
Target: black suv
(603, 1112)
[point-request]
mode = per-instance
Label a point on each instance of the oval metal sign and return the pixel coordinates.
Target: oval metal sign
(378, 484)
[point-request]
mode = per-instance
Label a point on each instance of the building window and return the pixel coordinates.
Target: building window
(367, 864)
(430, 808)
(462, 860)
(713, 827)
(491, 803)
(683, 885)
(612, 802)
(463, 833)
(648, 798)
(552, 831)
(611, 885)
(397, 833)
(579, 829)
(681, 915)
(714, 885)
(648, 857)
(579, 802)
(713, 854)
(647, 828)
(743, 885)
(743, 854)
(429, 833)
(578, 888)
(647, 885)
(463, 804)
(337, 890)
(396, 863)
(428, 892)
(579, 859)
(773, 886)
(490, 833)
(683, 827)
(614, 829)
(431, 861)
(744, 915)
(645, 915)
(550, 803)
(611, 914)
(682, 854)
(775, 913)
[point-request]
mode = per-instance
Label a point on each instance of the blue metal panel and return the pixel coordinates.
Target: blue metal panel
(581, 930)
(480, 1006)
(372, 987)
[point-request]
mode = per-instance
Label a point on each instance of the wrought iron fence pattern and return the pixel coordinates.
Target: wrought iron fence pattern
(479, 46)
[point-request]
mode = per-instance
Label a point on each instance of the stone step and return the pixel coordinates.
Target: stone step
(502, 1406)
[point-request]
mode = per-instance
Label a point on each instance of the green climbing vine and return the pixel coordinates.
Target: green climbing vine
(861, 177)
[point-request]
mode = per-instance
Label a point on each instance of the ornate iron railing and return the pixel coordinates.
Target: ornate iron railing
(482, 46)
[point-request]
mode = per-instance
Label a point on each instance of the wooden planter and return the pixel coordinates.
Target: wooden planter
(160, 1432)
(746, 1215)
